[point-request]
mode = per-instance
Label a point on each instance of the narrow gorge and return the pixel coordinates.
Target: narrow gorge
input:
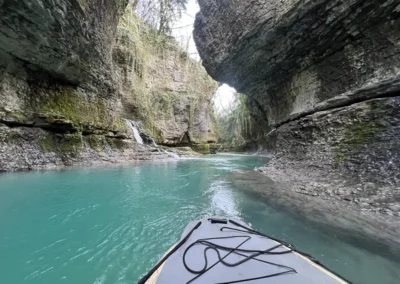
(322, 80)
(73, 74)
(110, 111)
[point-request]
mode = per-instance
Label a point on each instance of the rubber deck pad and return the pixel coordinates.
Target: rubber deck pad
(174, 271)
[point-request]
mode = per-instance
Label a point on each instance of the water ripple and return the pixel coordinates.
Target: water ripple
(111, 225)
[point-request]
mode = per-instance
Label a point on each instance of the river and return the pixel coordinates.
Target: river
(112, 224)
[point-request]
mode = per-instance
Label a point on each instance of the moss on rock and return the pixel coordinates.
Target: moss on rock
(13, 115)
(66, 102)
(119, 125)
(201, 148)
(161, 85)
(96, 142)
(214, 148)
(184, 149)
(362, 132)
(84, 3)
(19, 117)
(72, 144)
(116, 144)
(47, 144)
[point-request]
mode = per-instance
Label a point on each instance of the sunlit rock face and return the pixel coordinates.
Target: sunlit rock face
(323, 75)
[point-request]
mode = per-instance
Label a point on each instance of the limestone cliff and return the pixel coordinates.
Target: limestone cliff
(325, 76)
(161, 86)
(63, 91)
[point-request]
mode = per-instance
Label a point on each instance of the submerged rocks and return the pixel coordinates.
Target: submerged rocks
(336, 214)
(325, 78)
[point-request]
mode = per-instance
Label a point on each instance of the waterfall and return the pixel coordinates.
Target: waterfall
(174, 155)
(135, 130)
(136, 134)
(153, 142)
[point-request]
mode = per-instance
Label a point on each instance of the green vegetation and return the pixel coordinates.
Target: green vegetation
(235, 125)
(201, 148)
(214, 148)
(161, 14)
(156, 58)
(72, 144)
(84, 3)
(65, 102)
(47, 144)
(116, 144)
(96, 142)
(19, 117)
(360, 133)
(119, 124)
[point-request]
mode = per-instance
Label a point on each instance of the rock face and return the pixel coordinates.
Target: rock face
(69, 39)
(161, 86)
(64, 91)
(324, 77)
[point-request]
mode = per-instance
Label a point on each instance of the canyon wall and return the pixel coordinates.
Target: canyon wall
(162, 86)
(324, 77)
(70, 76)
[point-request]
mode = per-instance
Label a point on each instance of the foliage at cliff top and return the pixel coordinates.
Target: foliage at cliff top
(162, 86)
(160, 14)
(234, 124)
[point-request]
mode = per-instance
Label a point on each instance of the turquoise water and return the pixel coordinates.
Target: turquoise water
(112, 224)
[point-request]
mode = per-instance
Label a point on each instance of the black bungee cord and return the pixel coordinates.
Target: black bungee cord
(292, 247)
(235, 250)
(289, 248)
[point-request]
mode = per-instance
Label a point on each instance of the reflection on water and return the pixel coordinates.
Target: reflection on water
(112, 224)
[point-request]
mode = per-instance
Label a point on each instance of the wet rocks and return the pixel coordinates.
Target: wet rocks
(28, 148)
(201, 148)
(365, 197)
(214, 148)
(56, 80)
(294, 57)
(72, 70)
(324, 78)
(166, 89)
(69, 40)
(351, 149)
(334, 213)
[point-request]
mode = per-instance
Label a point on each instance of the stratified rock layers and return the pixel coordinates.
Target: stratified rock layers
(162, 86)
(64, 89)
(326, 75)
